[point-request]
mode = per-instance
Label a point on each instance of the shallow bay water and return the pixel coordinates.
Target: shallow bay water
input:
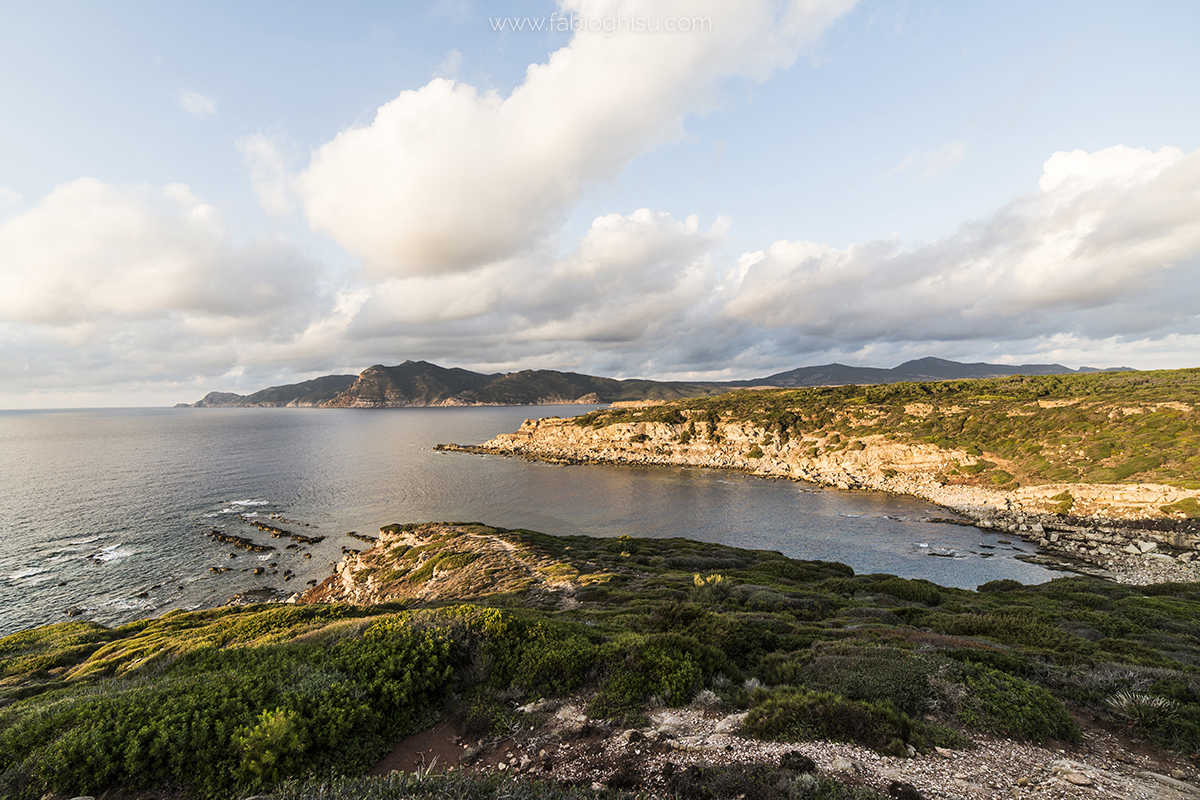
(107, 513)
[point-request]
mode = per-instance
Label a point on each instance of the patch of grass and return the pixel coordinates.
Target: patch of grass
(1065, 503)
(1188, 506)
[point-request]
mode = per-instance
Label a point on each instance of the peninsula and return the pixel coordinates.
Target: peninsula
(1101, 467)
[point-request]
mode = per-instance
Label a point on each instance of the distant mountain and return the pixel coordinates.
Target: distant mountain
(307, 394)
(921, 369)
(419, 383)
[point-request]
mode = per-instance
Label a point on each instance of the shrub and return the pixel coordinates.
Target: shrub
(789, 714)
(267, 746)
(1143, 710)
(913, 591)
(873, 674)
(1004, 704)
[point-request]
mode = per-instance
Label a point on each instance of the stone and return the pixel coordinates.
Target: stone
(630, 736)
(1132, 549)
(944, 752)
(843, 764)
(1077, 778)
(545, 704)
(1145, 546)
(731, 723)
(1178, 774)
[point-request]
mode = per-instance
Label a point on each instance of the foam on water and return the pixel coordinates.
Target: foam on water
(110, 554)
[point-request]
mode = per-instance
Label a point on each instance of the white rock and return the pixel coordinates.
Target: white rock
(731, 723)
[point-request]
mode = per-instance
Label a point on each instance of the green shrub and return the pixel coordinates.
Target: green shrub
(873, 674)
(1004, 704)
(1001, 585)
(912, 591)
(789, 714)
(268, 746)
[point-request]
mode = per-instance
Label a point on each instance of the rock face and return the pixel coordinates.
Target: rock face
(1106, 517)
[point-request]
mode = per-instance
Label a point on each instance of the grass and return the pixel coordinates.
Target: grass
(234, 700)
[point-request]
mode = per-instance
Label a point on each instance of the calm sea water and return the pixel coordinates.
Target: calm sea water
(107, 512)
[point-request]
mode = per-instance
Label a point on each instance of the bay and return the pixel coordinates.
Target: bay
(105, 514)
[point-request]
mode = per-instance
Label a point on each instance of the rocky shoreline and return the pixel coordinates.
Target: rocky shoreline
(1118, 531)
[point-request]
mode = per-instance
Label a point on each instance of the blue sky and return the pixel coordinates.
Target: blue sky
(227, 196)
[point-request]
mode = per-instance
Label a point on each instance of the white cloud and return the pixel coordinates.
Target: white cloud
(929, 164)
(8, 196)
(1109, 246)
(99, 282)
(449, 66)
(447, 178)
(268, 173)
(197, 104)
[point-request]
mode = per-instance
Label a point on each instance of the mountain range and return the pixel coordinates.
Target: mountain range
(421, 384)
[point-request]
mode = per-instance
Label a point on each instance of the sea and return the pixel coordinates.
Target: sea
(108, 515)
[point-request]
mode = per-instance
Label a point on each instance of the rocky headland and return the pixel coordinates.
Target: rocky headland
(1120, 529)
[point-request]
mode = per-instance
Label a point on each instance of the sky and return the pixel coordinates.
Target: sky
(227, 196)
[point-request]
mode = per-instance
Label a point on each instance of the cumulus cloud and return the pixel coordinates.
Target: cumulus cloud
(196, 104)
(146, 283)
(447, 178)
(1108, 246)
(628, 278)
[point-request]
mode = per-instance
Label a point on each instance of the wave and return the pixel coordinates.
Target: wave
(28, 572)
(250, 502)
(110, 554)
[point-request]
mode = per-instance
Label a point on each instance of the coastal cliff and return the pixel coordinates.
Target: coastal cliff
(862, 445)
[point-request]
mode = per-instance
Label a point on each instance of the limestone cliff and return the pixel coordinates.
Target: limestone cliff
(1104, 517)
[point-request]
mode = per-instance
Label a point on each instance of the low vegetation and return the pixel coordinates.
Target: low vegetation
(300, 699)
(1092, 428)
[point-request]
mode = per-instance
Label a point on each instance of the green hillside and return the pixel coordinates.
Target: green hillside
(226, 702)
(1095, 428)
